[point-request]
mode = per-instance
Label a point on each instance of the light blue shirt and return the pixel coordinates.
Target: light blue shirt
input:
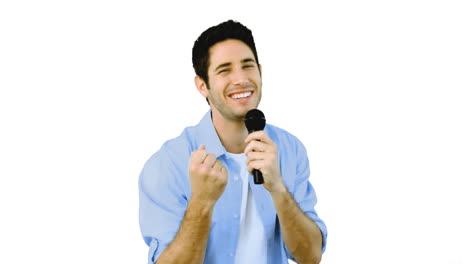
(164, 189)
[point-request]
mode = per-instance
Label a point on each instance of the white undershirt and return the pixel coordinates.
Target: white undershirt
(252, 243)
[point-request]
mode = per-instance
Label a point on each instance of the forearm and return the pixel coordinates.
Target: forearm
(301, 235)
(189, 245)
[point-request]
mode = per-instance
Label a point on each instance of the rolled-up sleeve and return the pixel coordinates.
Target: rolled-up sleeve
(162, 203)
(304, 193)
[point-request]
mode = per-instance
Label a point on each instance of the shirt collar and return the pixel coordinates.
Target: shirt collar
(208, 136)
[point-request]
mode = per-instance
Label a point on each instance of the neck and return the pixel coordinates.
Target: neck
(232, 133)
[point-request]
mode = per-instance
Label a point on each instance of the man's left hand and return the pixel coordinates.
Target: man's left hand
(262, 155)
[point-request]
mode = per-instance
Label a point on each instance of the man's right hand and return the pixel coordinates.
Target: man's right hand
(208, 176)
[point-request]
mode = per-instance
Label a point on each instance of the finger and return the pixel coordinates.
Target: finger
(209, 160)
(224, 170)
(256, 146)
(256, 164)
(217, 165)
(254, 136)
(199, 155)
(255, 155)
(258, 135)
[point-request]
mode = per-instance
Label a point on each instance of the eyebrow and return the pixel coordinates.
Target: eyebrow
(222, 66)
(247, 60)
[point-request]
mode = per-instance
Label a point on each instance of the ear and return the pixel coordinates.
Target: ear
(201, 86)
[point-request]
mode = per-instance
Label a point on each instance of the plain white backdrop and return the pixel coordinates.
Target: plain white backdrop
(376, 90)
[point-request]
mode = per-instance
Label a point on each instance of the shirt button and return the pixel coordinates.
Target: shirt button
(236, 178)
(231, 254)
(235, 215)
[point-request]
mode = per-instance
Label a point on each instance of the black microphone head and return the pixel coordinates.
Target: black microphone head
(254, 120)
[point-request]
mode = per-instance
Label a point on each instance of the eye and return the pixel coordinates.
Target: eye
(223, 70)
(248, 66)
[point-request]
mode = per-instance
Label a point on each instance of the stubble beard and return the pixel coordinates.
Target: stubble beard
(225, 111)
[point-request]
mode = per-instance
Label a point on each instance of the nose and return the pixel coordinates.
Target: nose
(239, 78)
(242, 82)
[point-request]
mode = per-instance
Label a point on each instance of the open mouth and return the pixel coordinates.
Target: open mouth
(240, 95)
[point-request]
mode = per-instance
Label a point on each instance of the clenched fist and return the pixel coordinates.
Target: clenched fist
(208, 176)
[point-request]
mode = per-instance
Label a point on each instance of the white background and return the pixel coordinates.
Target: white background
(377, 91)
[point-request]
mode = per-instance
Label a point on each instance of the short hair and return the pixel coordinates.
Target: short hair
(226, 30)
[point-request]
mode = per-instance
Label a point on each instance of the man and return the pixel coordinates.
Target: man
(198, 202)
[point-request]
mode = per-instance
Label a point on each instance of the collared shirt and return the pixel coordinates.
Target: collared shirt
(164, 189)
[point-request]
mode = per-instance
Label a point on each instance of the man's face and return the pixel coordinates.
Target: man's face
(234, 79)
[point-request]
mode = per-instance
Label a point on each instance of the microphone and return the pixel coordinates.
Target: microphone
(255, 121)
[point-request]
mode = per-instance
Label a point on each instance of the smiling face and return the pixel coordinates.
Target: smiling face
(234, 80)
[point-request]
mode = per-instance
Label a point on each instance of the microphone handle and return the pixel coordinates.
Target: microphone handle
(258, 177)
(257, 174)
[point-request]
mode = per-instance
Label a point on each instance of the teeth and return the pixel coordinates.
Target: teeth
(242, 95)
